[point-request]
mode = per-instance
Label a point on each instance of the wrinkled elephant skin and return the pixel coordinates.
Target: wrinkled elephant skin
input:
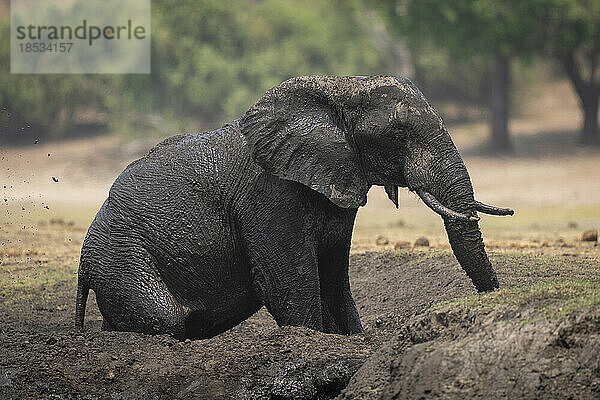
(206, 228)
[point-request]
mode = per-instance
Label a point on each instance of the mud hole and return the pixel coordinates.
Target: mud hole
(409, 350)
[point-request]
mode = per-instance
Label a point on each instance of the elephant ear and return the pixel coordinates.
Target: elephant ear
(297, 132)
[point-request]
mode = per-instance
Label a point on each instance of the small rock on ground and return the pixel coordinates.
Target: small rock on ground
(590, 236)
(422, 241)
(401, 244)
(381, 240)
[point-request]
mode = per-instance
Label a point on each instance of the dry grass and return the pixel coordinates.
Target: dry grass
(549, 299)
(554, 285)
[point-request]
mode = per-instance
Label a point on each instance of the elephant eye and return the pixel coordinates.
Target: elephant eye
(397, 131)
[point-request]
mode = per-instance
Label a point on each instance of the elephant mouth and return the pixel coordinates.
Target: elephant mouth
(432, 202)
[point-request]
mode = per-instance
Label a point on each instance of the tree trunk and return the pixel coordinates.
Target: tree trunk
(500, 103)
(589, 95)
(590, 133)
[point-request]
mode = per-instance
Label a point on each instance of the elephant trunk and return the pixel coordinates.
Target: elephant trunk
(467, 244)
(449, 192)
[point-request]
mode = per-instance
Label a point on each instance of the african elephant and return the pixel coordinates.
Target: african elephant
(206, 228)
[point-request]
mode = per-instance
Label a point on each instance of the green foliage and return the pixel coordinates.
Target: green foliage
(471, 27)
(453, 42)
(213, 59)
(573, 25)
(446, 77)
(230, 53)
(44, 102)
(573, 30)
(210, 61)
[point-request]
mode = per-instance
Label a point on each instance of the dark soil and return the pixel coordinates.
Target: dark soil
(504, 354)
(45, 357)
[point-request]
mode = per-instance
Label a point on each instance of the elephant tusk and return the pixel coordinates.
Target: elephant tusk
(484, 208)
(439, 208)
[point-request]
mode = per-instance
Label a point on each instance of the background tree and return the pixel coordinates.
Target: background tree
(573, 29)
(210, 61)
(486, 30)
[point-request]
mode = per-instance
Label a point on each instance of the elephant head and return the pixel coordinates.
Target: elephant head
(341, 135)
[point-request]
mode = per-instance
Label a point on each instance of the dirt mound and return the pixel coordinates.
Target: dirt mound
(505, 353)
(391, 287)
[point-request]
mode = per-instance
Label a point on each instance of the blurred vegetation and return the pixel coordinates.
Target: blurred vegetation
(211, 60)
(44, 102)
(573, 33)
(468, 48)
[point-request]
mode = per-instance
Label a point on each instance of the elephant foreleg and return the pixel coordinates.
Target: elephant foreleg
(281, 252)
(289, 287)
(106, 326)
(339, 310)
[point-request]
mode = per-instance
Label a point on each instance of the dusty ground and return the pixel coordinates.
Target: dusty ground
(44, 356)
(428, 333)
